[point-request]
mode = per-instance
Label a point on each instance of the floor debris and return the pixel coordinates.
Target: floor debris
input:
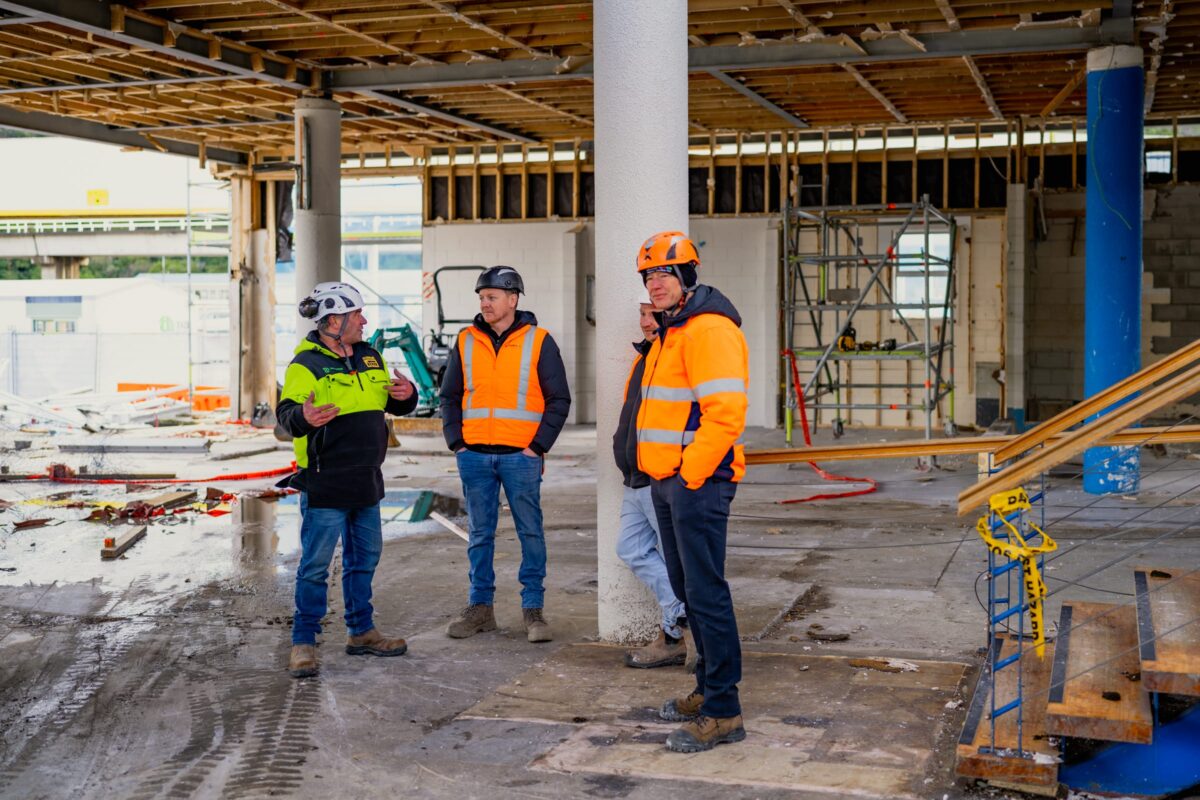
(114, 546)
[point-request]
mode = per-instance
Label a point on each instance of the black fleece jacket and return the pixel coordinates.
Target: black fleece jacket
(552, 378)
(625, 437)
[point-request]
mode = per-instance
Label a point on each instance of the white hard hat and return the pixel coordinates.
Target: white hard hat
(328, 298)
(644, 297)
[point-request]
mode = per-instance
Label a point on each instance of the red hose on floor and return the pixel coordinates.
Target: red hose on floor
(829, 476)
(243, 476)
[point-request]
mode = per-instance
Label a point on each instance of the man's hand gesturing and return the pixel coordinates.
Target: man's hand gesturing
(318, 415)
(400, 388)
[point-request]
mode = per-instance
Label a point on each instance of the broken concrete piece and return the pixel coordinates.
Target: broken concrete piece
(820, 636)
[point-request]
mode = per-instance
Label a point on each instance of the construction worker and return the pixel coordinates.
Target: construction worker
(637, 544)
(334, 396)
(504, 400)
(689, 431)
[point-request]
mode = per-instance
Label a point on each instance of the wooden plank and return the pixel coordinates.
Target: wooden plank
(1168, 611)
(1090, 435)
(114, 546)
(976, 759)
(1100, 401)
(959, 446)
(1095, 690)
(172, 499)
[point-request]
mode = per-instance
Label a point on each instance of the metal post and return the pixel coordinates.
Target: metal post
(187, 174)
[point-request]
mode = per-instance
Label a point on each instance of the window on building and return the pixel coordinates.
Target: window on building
(399, 257)
(1158, 162)
(53, 326)
(355, 258)
(910, 273)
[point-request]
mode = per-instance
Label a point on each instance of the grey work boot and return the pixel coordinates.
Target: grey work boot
(662, 652)
(473, 619)
(303, 661)
(536, 627)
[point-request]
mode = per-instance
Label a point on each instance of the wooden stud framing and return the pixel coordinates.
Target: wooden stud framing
(1175, 149)
(575, 173)
(475, 183)
(451, 188)
(976, 159)
(524, 181)
(1074, 154)
(945, 166)
(712, 173)
(737, 180)
(884, 190)
(854, 169)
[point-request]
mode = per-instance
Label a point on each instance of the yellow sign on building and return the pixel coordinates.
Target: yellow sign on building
(97, 197)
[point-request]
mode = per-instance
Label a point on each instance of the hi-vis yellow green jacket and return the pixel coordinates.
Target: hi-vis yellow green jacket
(694, 399)
(339, 462)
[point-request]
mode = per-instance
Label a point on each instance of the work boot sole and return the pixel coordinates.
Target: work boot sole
(306, 672)
(471, 632)
(671, 714)
(367, 650)
(539, 637)
(669, 661)
(686, 743)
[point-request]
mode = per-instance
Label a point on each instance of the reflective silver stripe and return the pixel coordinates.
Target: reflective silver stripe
(476, 413)
(516, 413)
(663, 393)
(689, 437)
(526, 365)
(658, 436)
(468, 348)
(720, 385)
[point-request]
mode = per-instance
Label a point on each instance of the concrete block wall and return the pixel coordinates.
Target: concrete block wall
(1170, 293)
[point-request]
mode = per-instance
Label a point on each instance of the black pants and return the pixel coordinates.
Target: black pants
(693, 526)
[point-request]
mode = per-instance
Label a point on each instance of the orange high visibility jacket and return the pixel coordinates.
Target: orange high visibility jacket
(694, 399)
(502, 400)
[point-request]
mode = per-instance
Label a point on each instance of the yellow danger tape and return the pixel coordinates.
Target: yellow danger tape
(1016, 548)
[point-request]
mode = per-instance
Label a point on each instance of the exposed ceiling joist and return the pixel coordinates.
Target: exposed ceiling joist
(457, 119)
(728, 58)
(984, 89)
(874, 92)
(1159, 28)
(746, 91)
(93, 131)
(948, 14)
(454, 14)
(544, 106)
(81, 87)
(328, 19)
(111, 21)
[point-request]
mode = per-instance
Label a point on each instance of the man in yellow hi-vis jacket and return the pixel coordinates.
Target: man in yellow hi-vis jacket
(689, 431)
(335, 393)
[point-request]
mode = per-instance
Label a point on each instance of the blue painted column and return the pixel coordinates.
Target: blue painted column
(1113, 294)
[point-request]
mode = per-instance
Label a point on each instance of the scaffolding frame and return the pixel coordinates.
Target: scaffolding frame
(815, 284)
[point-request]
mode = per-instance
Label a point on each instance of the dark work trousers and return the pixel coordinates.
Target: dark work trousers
(693, 526)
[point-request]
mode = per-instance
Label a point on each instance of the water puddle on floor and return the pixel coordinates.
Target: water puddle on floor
(250, 540)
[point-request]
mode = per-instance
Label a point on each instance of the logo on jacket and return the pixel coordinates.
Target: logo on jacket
(370, 362)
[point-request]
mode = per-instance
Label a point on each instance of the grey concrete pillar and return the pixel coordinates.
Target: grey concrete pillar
(318, 219)
(641, 94)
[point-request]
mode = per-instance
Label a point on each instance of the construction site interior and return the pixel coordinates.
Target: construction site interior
(963, 237)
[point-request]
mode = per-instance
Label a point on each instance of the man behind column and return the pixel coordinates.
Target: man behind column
(638, 542)
(689, 431)
(334, 395)
(504, 400)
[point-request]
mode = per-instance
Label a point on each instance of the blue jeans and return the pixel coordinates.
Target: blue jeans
(521, 476)
(638, 546)
(361, 533)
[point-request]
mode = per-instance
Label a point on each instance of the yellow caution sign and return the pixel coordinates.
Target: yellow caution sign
(1016, 547)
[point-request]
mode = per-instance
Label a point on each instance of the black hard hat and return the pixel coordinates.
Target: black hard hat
(505, 278)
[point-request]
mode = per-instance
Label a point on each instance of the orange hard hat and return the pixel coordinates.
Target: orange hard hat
(667, 249)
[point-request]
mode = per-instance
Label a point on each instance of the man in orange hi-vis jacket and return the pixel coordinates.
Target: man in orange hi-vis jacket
(689, 431)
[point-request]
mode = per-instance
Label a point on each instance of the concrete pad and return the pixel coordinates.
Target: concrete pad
(814, 723)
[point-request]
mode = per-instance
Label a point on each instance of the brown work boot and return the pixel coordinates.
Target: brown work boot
(374, 643)
(473, 619)
(303, 661)
(536, 627)
(705, 733)
(689, 642)
(662, 652)
(682, 709)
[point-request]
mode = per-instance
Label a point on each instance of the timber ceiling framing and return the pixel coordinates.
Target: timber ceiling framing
(223, 75)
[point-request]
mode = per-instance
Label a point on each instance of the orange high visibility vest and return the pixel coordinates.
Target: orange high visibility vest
(502, 401)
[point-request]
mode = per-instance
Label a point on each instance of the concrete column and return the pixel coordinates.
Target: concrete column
(318, 222)
(1113, 292)
(257, 286)
(640, 96)
(62, 267)
(1015, 268)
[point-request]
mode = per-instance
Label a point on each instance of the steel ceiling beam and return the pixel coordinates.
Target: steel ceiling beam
(79, 87)
(746, 91)
(728, 58)
(93, 131)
